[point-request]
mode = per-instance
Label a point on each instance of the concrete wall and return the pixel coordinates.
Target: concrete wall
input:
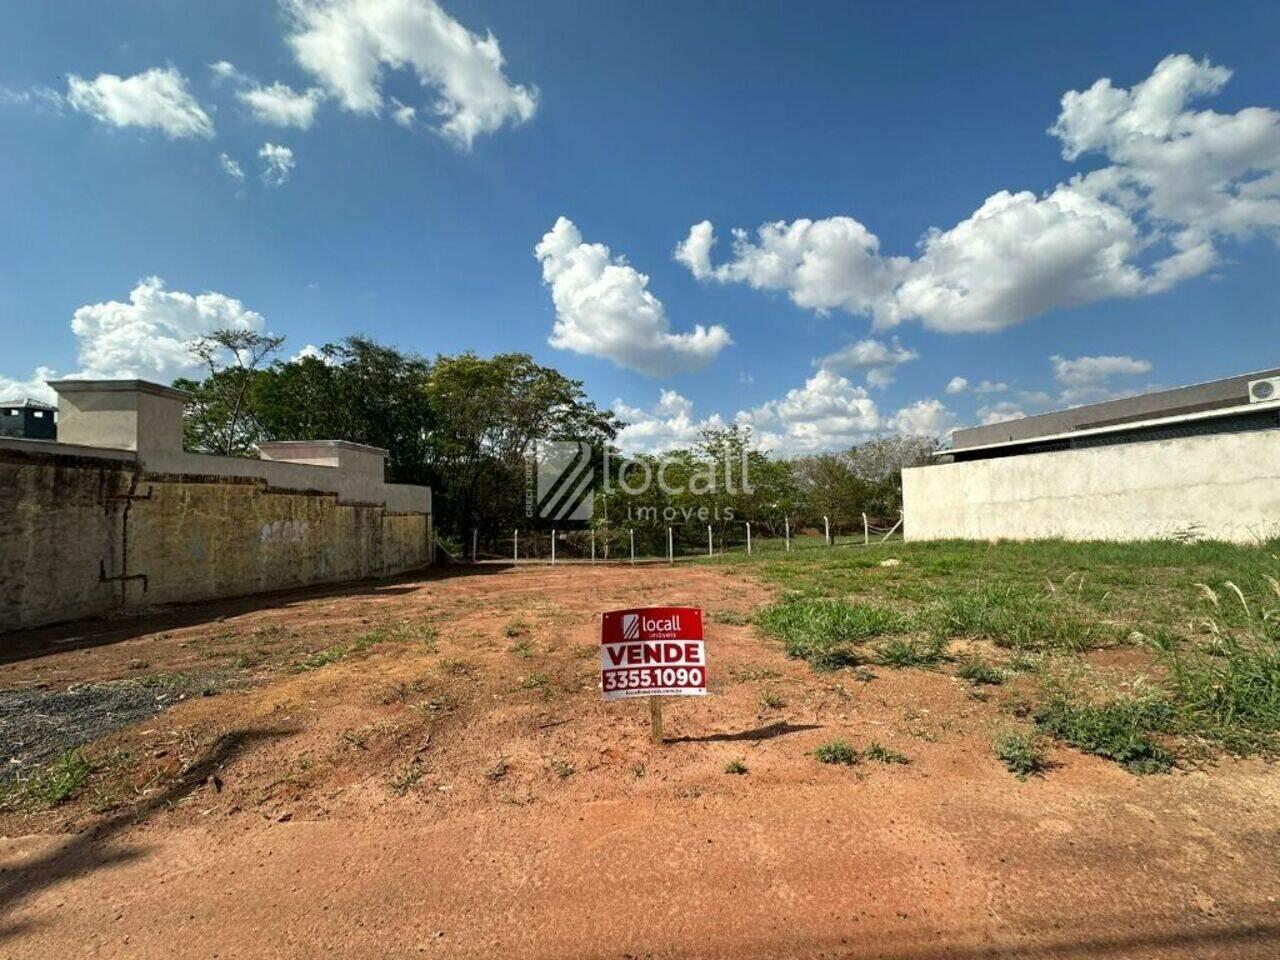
(90, 530)
(66, 539)
(1221, 486)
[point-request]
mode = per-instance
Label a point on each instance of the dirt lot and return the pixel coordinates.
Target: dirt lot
(425, 768)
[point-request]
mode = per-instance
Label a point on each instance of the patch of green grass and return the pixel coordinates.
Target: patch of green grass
(837, 751)
(1009, 615)
(736, 767)
(1121, 730)
(1022, 752)
(55, 783)
(979, 672)
(1226, 686)
(730, 617)
(534, 681)
(516, 628)
(522, 649)
(908, 652)
(771, 701)
(882, 754)
(321, 658)
(826, 632)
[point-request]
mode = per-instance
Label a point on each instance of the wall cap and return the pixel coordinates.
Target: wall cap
(118, 386)
(285, 446)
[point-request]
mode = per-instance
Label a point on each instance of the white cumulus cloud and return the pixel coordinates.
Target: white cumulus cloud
(231, 167)
(876, 357)
(1000, 412)
(156, 99)
(147, 337)
(924, 418)
(957, 385)
(1177, 181)
(668, 425)
(604, 308)
(1090, 379)
(34, 386)
(277, 164)
(828, 413)
(282, 106)
(348, 44)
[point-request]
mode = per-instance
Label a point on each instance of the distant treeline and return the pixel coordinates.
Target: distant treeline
(466, 425)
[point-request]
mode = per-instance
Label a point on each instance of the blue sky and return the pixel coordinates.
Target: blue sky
(854, 129)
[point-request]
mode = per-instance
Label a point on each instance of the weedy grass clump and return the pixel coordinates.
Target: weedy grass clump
(882, 754)
(407, 778)
(1226, 688)
(837, 751)
(736, 767)
(979, 672)
(1022, 752)
(825, 633)
(907, 652)
(1122, 729)
(1012, 615)
(563, 769)
(772, 701)
(51, 785)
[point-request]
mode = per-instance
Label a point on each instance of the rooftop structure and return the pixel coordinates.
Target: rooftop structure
(1216, 406)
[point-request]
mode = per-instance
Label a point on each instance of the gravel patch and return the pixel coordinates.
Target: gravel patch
(37, 725)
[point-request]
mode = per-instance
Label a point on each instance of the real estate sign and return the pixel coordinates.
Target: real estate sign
(652, 652)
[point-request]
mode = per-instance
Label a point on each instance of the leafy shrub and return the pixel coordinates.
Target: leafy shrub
(837, 751)
(882, 754)
(1022, 752)
(1120, 730)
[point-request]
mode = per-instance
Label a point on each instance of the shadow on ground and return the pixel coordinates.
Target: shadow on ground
(88, 851)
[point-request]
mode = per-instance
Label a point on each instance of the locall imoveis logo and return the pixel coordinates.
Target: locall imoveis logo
(566, 481)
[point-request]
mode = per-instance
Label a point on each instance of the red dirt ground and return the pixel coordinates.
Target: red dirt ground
(474, 798)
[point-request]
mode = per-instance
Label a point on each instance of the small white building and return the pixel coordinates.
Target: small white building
(1197, 462)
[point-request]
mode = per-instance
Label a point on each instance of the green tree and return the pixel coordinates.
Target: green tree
(220, 417)
(356, 390)
(488, 414)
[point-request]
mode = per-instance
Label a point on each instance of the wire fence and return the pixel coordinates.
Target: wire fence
(671, 543)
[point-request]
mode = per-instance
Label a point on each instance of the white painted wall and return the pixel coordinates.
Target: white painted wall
(1222, 486)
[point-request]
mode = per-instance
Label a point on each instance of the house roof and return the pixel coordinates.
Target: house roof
(29, 404)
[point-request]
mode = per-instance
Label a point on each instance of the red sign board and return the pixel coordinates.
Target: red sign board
(652, 652)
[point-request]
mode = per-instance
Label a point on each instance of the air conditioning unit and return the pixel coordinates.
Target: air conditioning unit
(1268, 389)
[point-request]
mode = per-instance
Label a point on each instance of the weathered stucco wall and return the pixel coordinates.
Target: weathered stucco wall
(68, 528)
(1221, 486)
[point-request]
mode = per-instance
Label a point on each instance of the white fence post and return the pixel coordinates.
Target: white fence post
(787, 527)
(633, 545)
(826, 525)
(866, 532)
(593, 545)
(553, 546)
(516, 548)
(475, 536)
(748, 522)
(671, 552)
(711, 544)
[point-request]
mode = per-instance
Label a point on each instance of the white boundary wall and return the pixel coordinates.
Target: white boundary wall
(1220, 486)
